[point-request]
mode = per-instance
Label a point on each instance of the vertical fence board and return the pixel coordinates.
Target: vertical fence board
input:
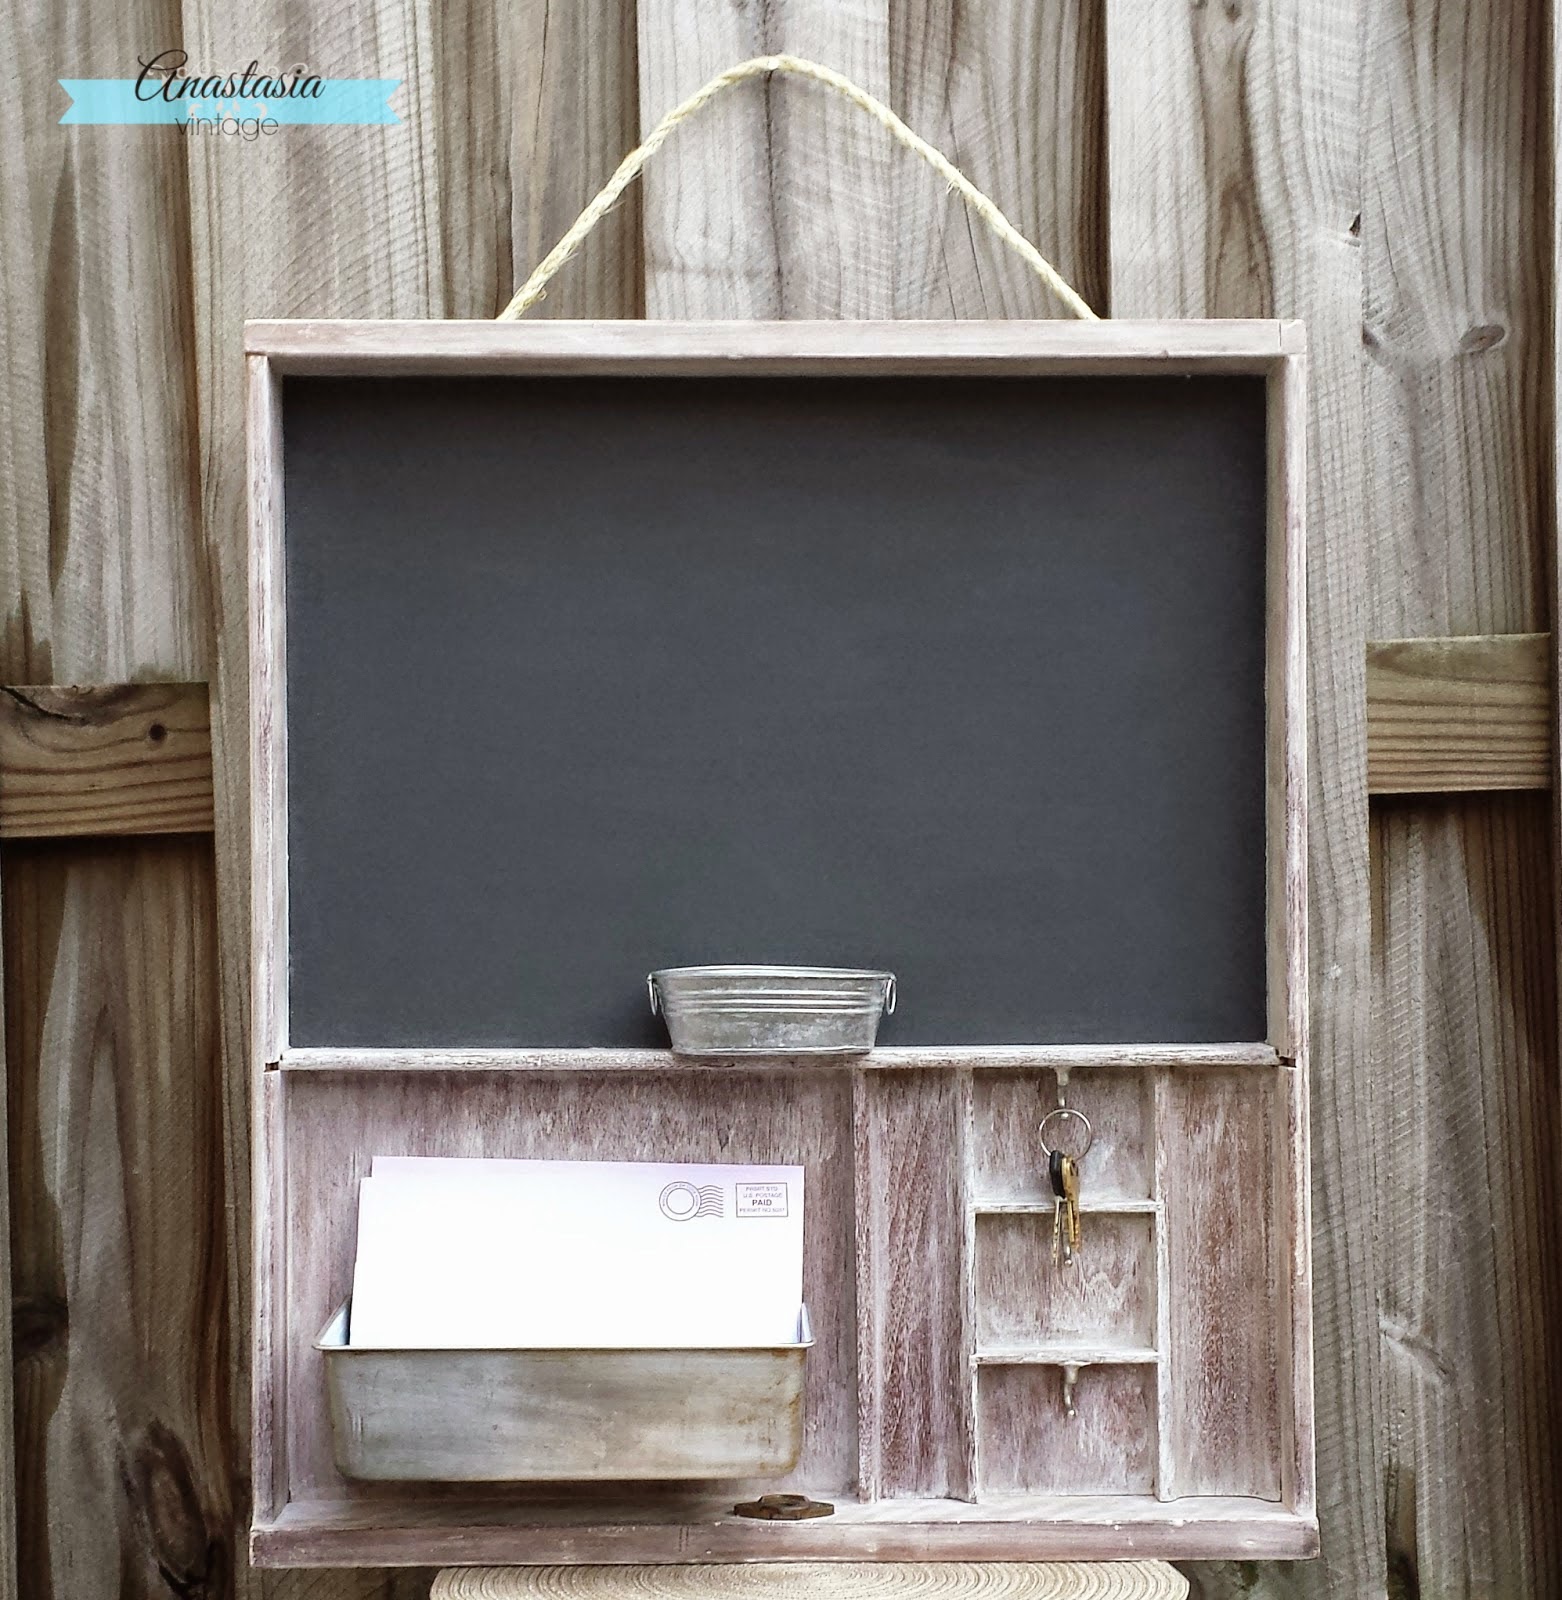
(1468, 1129)
(1234, 148)
(1013, 92)
(125, 1439)
(8, 1518)
(774, 201)
(1464, 1062)
(124, 1424)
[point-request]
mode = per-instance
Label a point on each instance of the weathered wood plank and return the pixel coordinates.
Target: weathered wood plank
(1234, 145)
(775, 201)
(1456, 332)
(116, 759)
(1472, 1313)
(847, 1580)
(127, 1484)
(1459, 714)
(862, 349)
(8, 1528)
(326, 1533)
(915, 1422)
(125, 1434)
(1013, 92)
(955, 1058)
(1227, 1402)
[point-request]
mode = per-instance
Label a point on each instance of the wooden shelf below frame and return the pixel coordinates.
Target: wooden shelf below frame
(402, 1531)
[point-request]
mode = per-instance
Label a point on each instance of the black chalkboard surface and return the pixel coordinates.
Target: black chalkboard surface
(962, 677)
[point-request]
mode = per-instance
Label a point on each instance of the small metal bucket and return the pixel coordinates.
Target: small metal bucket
(771, 1011)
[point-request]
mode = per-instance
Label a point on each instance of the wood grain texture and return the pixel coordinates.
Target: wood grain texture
(1151, 345)
(122, 1422)
(1013, 93)
(266, 697)
(775, 201)
(915, 1424)
(1234, 137)
(1031, 1444)
(124, 1426)
(116, 759)
(1008, 1109)
(1285, 764)
(955, 1058)
(1226, 1412)
(1456, 333)
(1106, 1303)
(1468, 1133)
(1459, 714)
(781, 1580)
(463, 1532)
(8, 1519)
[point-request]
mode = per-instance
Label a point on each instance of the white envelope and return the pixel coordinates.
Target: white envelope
(474, 1254)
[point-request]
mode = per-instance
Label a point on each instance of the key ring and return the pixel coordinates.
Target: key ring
(1056, 1114)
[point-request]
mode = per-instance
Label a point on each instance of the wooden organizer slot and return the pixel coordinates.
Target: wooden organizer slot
(948, 1346)
(923, 1351)
(1114, 1309)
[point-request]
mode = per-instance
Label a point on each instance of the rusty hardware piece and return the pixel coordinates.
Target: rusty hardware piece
(784, 1508)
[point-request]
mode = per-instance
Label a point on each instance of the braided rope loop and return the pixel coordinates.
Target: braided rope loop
(997, 223)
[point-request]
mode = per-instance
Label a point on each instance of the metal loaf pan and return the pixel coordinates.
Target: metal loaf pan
(771, 1011)
(517, 1415)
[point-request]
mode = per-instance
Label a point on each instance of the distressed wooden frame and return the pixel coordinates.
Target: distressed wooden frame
(432, 1527)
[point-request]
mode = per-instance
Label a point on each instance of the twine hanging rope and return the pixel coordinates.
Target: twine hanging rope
(999, 225)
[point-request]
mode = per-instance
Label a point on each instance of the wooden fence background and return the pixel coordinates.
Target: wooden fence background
(1377, 167)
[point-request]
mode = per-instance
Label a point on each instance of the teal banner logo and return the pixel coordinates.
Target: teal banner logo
(165, 92)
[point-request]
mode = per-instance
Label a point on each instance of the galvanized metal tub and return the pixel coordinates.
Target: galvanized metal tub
(771, 1011)
(501, 1416)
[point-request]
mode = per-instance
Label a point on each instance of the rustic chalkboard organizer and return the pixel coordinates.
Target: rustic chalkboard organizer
(935, 1394)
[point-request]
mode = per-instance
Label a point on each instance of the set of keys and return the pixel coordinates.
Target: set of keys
(1063, 1175)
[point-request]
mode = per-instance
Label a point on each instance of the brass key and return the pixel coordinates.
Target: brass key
(1070, 1209)
(1055, 1160)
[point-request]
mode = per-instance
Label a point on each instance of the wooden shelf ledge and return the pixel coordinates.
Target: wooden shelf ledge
(910, 1058)
(1068, 1355)
(439, 1532)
